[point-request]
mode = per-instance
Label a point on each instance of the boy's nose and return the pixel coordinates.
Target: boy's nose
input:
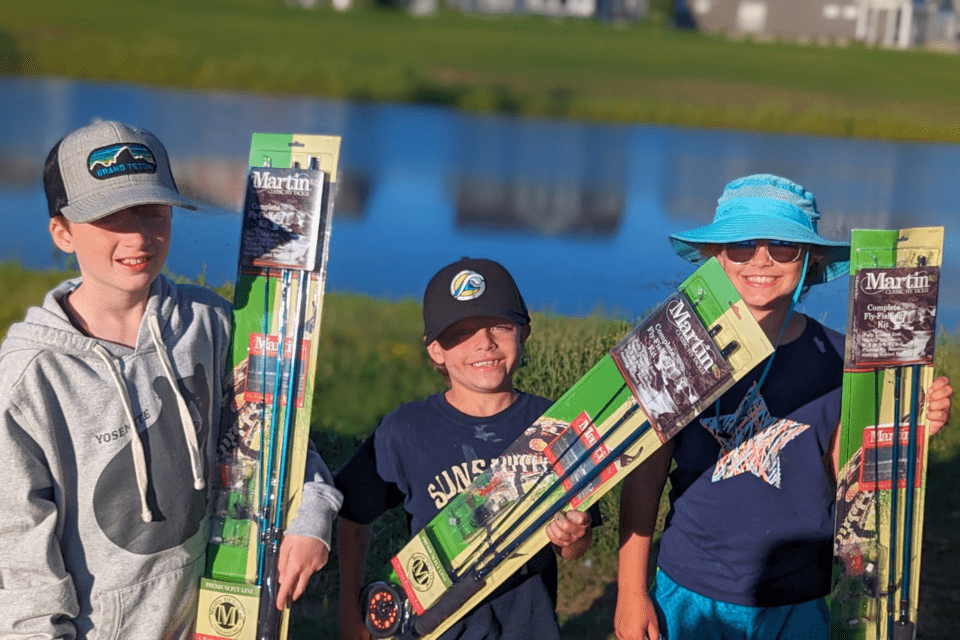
(762, 254)
(485, 339)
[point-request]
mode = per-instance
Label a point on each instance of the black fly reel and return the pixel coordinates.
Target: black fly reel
(384, 609)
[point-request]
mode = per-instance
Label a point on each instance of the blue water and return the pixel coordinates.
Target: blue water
(579, 212)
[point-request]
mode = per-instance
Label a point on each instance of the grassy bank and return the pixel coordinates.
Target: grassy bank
(526, 65)
(371, 360)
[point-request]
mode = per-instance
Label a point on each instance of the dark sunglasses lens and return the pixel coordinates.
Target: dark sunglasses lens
(741, 252)
(783, 252)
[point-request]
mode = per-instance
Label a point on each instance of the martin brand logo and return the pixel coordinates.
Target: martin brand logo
(884, 282)
(227, 616)
(421, 573)
(120, 160)
(290, 182)
(680, 317)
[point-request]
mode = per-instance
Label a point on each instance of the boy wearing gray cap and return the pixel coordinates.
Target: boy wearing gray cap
(110, 398)
(424, 453)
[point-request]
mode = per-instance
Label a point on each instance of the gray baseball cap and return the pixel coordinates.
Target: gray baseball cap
(105, 167)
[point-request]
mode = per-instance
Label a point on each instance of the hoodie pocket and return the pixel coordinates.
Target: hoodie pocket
(163, 607)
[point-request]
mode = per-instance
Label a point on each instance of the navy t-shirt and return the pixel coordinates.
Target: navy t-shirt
(751, 519)
(422, 455)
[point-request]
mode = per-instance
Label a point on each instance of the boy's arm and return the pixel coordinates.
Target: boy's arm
(367, 495)
(352, 540)
(37, 594)
(305, 547)
(635, 617)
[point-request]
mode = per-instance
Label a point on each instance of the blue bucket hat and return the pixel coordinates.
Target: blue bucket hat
(767, 207)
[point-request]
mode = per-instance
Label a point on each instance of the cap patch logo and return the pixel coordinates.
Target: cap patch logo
(120, 160)
(467, 285)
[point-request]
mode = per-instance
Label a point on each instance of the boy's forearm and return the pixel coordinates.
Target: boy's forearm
(352, 540)
(639, 507)
(320, 501)
(633, 563)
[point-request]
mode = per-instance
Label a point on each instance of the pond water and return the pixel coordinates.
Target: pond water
(578, 211)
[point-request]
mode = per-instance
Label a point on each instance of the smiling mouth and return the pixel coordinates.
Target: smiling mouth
(134, 262)
(485, 363)
(761, 280)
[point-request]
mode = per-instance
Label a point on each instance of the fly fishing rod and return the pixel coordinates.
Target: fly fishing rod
(904, 629)
(268, 452)
(268, 621)
(877, 378)
(892, 582)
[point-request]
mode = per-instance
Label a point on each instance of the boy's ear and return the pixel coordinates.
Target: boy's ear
(524, 333)
(435, 351)
(60, 232)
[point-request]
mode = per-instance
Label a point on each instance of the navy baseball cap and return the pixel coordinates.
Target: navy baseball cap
(470, 288)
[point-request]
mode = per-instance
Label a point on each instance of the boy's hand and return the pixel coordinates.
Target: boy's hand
(300, 558)
(938, 404)
(568, 527)
(636, 618)
(571, 533)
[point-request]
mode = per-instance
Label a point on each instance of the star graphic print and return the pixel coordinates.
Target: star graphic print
(752, 445)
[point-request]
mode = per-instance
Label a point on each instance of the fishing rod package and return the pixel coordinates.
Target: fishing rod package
(262, 448)
(888, 366)
(676, 362)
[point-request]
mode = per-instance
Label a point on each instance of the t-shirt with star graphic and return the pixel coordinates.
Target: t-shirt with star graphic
(751, 518)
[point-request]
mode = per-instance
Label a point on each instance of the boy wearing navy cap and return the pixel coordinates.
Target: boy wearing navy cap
(110, 397)
(424, 453)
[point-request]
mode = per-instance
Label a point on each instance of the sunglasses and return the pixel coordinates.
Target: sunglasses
(780, 251)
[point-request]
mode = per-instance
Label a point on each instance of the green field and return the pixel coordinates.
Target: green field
(529, 65)
(371, 360)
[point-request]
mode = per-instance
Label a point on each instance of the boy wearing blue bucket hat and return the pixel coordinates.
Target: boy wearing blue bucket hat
(746, 550)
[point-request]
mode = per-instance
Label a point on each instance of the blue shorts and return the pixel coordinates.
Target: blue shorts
(683, 614)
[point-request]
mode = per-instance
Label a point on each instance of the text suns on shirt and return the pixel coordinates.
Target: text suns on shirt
(451, 482)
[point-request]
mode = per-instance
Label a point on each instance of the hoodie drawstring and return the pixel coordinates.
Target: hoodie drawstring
(186, 421)
(136, 446)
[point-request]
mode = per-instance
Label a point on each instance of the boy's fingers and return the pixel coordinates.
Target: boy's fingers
(572, 521)
(302, 582)
(567, 527)
(283, 580)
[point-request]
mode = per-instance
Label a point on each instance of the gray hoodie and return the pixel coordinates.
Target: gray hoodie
(104, 527)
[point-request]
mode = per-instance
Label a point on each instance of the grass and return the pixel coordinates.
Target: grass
(371, 360)
(527, 65)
